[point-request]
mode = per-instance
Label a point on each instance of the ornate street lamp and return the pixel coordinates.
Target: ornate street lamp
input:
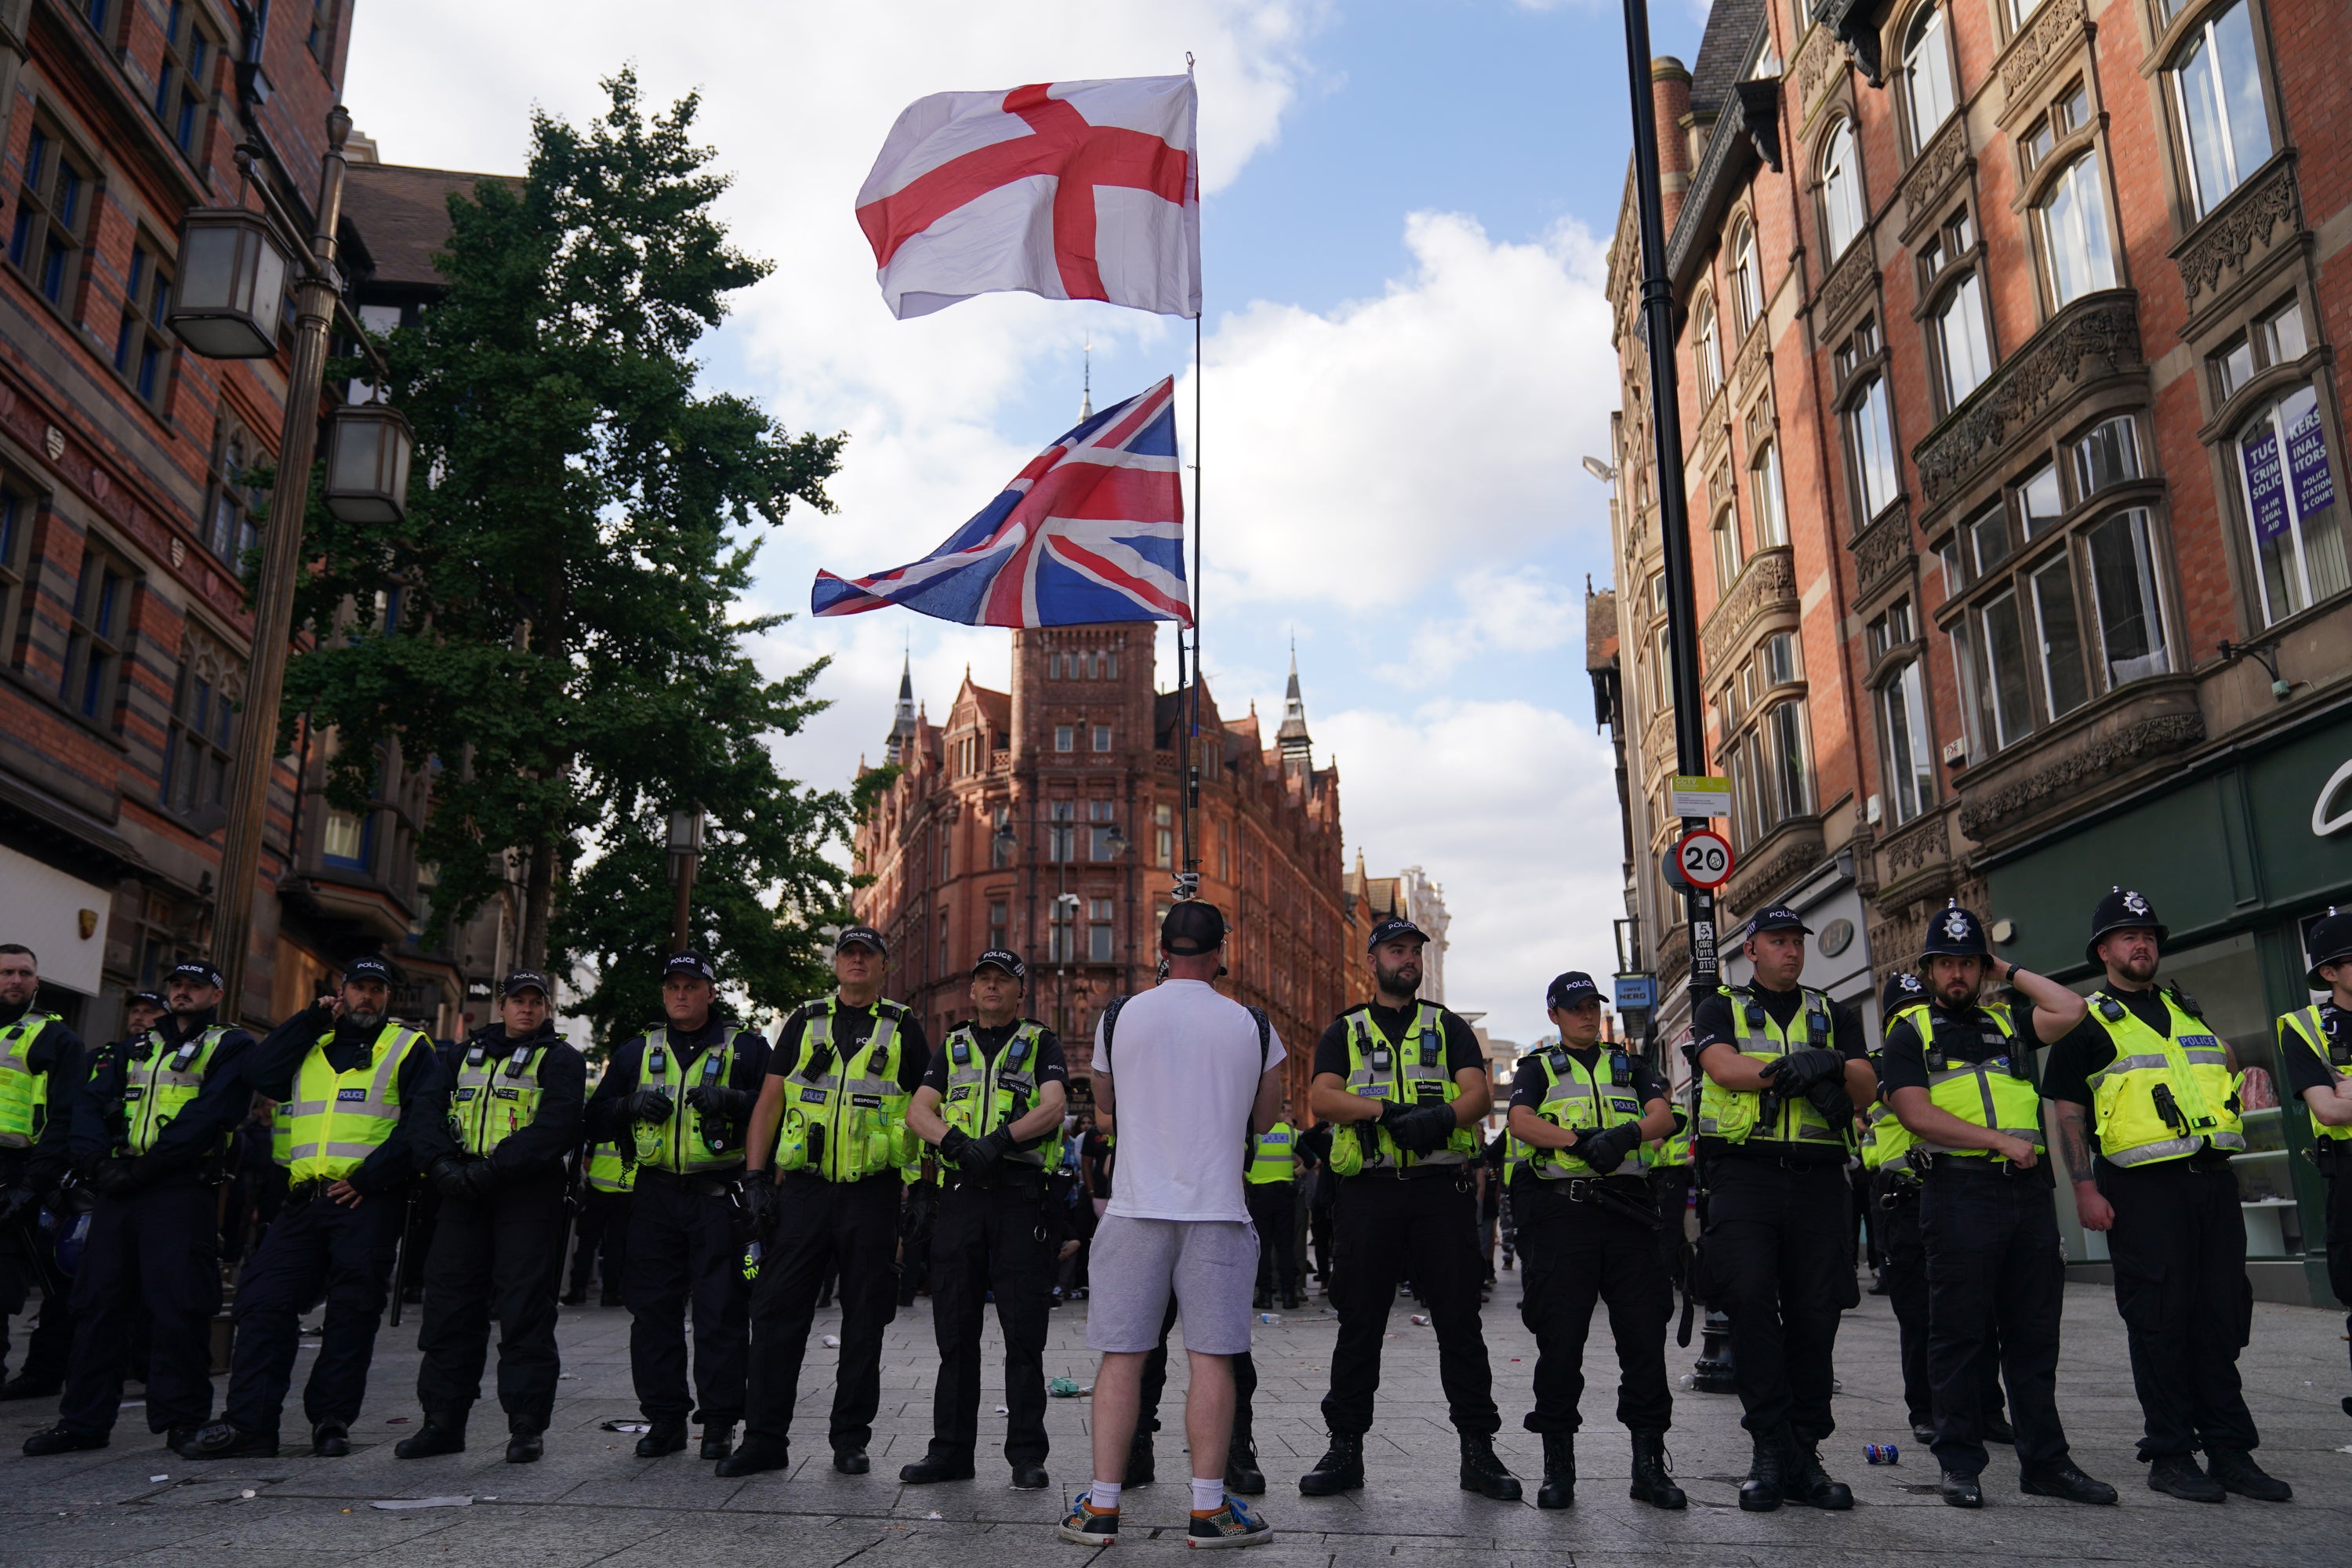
(685, 856)
(231, 292)
(368, 449)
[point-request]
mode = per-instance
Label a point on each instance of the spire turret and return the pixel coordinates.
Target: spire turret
(1298, 747)
(902, 726)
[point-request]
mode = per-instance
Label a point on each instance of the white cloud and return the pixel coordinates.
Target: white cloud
(1357, 457)
(1520, 611)
(1511, 808)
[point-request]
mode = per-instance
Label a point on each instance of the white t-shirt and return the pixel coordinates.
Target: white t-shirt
(1184, 1071)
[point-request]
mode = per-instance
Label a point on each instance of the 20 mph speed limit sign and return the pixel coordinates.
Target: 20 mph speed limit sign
(1704, 858)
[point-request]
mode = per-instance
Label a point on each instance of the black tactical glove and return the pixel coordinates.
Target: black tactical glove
(1419, 1129)
(481, 1178)
(1828, 1097)
(721, 1101)
(1605, 1151)
(447, 1175)
(999, 1143)
(16, 1202)
(761, 1201)
(115, 1178)
(650, 1105)
(955, 1145)
(1799, 1070)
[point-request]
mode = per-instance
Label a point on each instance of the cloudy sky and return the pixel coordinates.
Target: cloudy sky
(1406, 346)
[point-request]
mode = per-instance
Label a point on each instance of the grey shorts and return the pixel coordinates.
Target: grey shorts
(1211, 1264)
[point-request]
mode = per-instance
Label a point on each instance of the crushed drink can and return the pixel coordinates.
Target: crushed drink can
(1882, 1453)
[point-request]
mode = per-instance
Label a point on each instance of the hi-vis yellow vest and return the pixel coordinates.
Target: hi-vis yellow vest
(687, 1141)
(1885, 1142)
(1998, 1092)
(607, 1172)
(1584, 1101)
(2305, 1026)
(2164, 1096)
(1733, 1115)
(21, 1104)
(495, 1098)
(1273, 1156)
(979, 1101)
(339, 1119)
(159, 1083)
(1411, 1073)
(844, 1114)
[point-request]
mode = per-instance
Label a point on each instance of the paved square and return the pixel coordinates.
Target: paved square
(592, 1502)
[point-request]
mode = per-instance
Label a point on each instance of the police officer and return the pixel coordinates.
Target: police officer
(353, 1086)
(991, 1102)
(832, 1120)
(600, 1239)
(1588, 1231)
(498, 1156)
(1270, 1189)
(40, 1064)
(1668, 1160)
(1405, 1084)
(2314, 1049)
(1959, 1073)
(1894, 1187)
(2149, 1077)
(152, 1131)
(677, 1098)
(1783, 1072)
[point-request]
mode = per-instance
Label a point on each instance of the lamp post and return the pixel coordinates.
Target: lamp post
(684, 858)
(234, 264)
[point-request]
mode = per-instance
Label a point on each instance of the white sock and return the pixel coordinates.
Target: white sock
(1208, 1493)
(1103, 1496)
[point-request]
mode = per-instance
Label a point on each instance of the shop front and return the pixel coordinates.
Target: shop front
(2239, 852)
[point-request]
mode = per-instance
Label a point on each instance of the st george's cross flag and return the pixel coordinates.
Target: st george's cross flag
(1093, 530)
(1075, 190)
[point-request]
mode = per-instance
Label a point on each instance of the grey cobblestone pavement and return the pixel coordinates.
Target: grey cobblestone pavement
(592, 1502)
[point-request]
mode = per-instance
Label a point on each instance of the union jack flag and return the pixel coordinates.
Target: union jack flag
(1092, 530)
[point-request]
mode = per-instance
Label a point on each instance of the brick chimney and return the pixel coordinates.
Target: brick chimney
(1670, 99)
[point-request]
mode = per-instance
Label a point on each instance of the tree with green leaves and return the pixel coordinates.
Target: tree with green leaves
(582, 520)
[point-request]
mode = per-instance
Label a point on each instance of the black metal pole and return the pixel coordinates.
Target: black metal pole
(1666, 436)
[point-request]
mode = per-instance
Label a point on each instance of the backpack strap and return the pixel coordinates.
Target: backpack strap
(1110, 1027)
(1265, 1036)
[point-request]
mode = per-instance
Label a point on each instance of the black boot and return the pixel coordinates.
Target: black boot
(718, 1440)
(443, 1433)
(24, 1385)
(1808, 1484)
(1654, 1483)
(63, 1440)
(524, 1446)
(1767, 1475)
(1483, 1470)
(1242, 1477)
(665, 1436)
(1340, 1470)
(330, 1440)
(755, 1455)
(1559, 1489)
(1962, 1490)
(2236, 1470)
(220, 1440)
(2177, 1475)
(1139, 1465)
(937, 1467)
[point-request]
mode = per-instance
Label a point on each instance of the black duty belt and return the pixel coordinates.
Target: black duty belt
(1413, 1173)
(700, 1185)
(1969, 1167)
(1741, 1154)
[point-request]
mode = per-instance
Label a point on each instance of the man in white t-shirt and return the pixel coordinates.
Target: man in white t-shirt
(1200, 1074)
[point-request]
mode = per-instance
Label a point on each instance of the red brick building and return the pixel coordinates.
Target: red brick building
(2015, 459)
(126, 511)
(1046, 820)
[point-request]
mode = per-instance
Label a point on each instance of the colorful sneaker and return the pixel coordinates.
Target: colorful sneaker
(1088, 1525)
(1232, 1525)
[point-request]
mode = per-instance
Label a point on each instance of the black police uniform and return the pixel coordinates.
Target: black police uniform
(497, 1247)
(599, 1241)
(822, 1227)
(1995, 1269)
(318, 1245)
(1777, 1254)
(154, 1248)
(1422, 1225)
(2177, 1251)
(2307, 1071)
(1576, 1250)
(684, 1247)
(993, 1234)
(30, 1178)
(918, 1216)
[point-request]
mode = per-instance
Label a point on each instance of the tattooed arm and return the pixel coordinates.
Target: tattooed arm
(2074, 1142)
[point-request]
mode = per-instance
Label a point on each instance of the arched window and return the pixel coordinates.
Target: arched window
(1707, 349)
(1928, 74)
(1746, 280)
(1842, 208)
(2074, 232)
(2217, 90)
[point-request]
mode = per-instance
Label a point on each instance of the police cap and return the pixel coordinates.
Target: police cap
(687, 960)
(1903, 989)
(1004, 959)
(196, 970)
(1955, 933)
(370, 968)
(2331, 943)
(523, 980)
(2122, 909)
(1393, 928)
(861, 936)
(1777, 917)
(1571, 990)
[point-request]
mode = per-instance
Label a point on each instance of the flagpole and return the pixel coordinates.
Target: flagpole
(1192, 767)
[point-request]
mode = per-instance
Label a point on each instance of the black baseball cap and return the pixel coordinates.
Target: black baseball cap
(1191, 928)
(368, 968)
(195, 969)
(686, 961)
(1572, 989)
(866, 935)
(1777, 917)
(523, 980)
(142, 999)
(1000, 957)
(1393, 928)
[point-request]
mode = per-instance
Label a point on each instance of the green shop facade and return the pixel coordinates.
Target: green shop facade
(2239, 851)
